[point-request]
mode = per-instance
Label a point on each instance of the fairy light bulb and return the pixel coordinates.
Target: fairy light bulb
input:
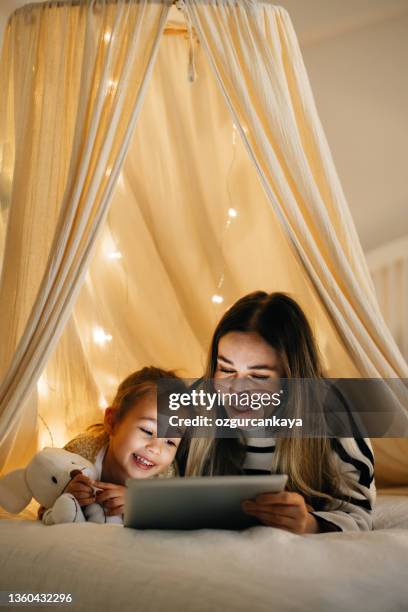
(111, 86)
(232, 213)
(100, 337)
(107, 36)
(114, 255)
(234, 134)
(42, 387)
(112, 381)
(121, 180)
(102, 402)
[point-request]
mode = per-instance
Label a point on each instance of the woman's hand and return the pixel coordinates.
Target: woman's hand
(81, 488)
(285, 510)
(112, 497)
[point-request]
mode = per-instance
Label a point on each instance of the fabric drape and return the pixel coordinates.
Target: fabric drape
(73, 91)
(169, 244)
(255, 54)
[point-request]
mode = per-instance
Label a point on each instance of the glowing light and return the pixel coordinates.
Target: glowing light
(112, 85)
(108, 171)
(121, 180)
(232, 212)
(217, 299)
(114, 255)
(42, 387)
(107, 36)
(100, 336)
(234, 134)
(102, 402)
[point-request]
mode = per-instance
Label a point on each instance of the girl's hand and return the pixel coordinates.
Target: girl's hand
(285, 510)
(112, 497)
(81, 488)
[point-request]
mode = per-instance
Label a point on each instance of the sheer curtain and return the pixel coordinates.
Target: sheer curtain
(191, 219)
(72, 89)
(255, 54)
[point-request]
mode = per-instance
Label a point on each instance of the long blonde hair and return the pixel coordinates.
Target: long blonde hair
(280, 321)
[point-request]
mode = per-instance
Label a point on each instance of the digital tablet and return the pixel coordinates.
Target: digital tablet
(211, 502)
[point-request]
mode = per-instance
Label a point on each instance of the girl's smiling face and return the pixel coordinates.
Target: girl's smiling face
(134, 449)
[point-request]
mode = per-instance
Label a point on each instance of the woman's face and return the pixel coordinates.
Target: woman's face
(246, 363)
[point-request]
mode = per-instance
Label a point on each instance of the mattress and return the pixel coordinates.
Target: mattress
(108, 567)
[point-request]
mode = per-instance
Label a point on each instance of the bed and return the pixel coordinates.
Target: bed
(261, 569)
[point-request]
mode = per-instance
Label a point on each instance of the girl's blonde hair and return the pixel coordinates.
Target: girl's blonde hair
(280, 321)
(136, 385)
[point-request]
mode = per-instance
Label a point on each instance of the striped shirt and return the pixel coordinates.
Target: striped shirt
(353, 458)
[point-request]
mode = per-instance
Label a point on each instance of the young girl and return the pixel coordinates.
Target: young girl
(331, 481)
(125, 445)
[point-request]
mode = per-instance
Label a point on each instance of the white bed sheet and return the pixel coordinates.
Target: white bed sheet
(108, 567)
(391, 511)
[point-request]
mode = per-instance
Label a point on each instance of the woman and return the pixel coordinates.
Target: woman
(330, 481)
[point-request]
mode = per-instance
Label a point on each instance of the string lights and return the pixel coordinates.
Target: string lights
(100, 336)
(45, 434)
(232, 213)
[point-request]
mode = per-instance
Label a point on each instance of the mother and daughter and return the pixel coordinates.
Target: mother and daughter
(261, 337)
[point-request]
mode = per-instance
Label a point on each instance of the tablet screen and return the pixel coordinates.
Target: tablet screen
(212, 502)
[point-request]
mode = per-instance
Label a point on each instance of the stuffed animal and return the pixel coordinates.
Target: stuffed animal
(45, 478)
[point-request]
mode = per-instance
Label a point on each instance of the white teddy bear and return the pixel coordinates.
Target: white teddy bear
(45, 478)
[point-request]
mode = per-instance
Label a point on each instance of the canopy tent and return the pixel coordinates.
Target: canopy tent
(122, 246)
